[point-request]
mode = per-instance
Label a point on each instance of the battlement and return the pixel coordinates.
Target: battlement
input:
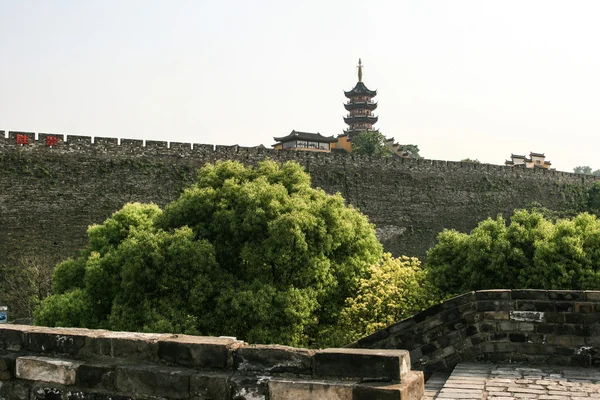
(54, 363)
(88, 145)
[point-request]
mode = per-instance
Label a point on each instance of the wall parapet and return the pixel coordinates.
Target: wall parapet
(559, 327)
(54, 363)
(61, 143)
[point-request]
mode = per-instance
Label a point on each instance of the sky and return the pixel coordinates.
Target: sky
(476, 79)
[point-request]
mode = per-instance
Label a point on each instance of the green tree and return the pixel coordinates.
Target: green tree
(249, 252)
(469, 160)
(531, 252)
(586, 170)
(371, 144)
(409, 150)
(396, 289)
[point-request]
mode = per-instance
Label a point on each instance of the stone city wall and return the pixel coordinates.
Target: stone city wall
(52, 188)
(57, 363)
(534, 326)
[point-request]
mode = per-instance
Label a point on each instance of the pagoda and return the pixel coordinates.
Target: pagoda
(360, 107)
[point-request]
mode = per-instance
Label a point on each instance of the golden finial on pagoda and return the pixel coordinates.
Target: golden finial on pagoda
(359, 70)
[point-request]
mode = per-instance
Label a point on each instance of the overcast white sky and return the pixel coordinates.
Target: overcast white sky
(479, 79)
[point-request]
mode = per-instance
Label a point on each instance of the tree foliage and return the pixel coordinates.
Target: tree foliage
(531, 252)
(371, 144)
(409, 150)
(586, 170)
(249, 252)
(25, 283)
(396, 289)
(471, 160)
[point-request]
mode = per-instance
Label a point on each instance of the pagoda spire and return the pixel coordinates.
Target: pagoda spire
(359, 70)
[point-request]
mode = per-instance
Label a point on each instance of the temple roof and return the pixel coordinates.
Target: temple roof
(532, 154)
(313, 137)
(360, 89)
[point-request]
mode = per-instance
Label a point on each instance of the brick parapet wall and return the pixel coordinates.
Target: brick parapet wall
(533, 326)
(54, 363)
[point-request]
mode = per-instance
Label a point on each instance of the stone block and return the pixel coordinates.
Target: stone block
(63, 343)
(529, 294)
(281, 389)
(157, 381)
(381, 365)
(12, 338)
(568, 295)
(527, 316)
(47, 369)
(249, 387)
(493, 294)
(459, 300)
(14, 390)
(198, 351)
(96, 376)
(210, 385)
(7, 366)
(130, 345)
(273, 359)
(411, 388)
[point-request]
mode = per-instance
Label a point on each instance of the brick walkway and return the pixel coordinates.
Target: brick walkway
(508, 382)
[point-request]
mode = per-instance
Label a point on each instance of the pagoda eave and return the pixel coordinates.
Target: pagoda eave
(360, 120)
(360, 105)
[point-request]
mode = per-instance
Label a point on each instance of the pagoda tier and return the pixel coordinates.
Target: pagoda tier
(360, 90)
(354, 119)
(361, 105)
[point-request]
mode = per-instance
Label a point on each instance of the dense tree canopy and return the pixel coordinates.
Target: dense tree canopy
(531, 252)
(396, 289)
(371, 144)
(249, 252)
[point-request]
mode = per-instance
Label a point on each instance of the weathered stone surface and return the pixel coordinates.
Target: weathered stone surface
(412, 387)
(47, 369)
(13, 390)
(383, 365)
(210, 385)
(282, 389)
(198, 351)
(273, 358)
(153, 380)
(96, 376)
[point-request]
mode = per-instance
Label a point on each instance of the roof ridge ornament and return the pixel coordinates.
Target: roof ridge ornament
(359, 70)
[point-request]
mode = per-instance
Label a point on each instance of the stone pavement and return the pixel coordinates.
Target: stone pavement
(516, 381)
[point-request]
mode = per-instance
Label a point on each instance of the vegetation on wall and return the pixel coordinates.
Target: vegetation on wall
(586, 170)
(530, 252)
(371, 144)
(249, 252)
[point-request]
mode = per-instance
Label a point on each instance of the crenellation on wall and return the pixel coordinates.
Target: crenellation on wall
(98, 364)
(132, 143)
(156, 144)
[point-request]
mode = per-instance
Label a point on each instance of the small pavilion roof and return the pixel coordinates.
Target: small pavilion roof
(313, 137)
(532, 154)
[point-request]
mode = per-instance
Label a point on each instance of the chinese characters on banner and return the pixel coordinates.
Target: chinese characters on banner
(22, 139)
(51, 141)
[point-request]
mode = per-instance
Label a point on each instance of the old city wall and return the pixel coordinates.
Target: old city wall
(558, 327)
(49, 195)
(57, 363)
